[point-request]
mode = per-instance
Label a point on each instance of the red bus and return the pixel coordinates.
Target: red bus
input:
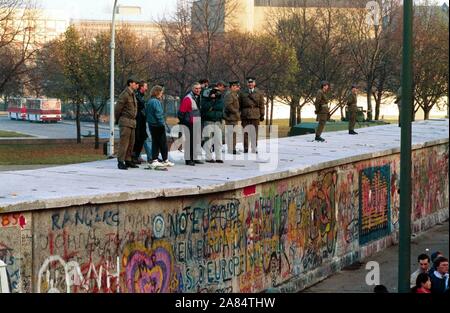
(34, 109)
(43, 110)
(17, 109)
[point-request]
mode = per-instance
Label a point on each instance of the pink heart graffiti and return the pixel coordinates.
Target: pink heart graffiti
(148, 273)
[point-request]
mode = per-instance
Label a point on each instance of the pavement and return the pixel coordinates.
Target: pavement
(8, 168)
(60, 130)
(101, 181)
(352, 279)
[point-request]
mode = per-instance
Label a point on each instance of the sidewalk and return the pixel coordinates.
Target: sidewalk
(353, 279)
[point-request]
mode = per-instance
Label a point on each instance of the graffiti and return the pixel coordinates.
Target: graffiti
(87, 216)
(395, 196)
(278, 233)
(12, 267)
(57, 275)
(158, 227)
(374, 203)
(348, 212)
(430, 169)
(150, 271)
(11, 220)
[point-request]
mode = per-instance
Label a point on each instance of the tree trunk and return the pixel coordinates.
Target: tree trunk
(271, 111)
(377, 105)
(299, 114)
(267, 111)
(426, 113)
(293, 111)
(96, 118)
(78, 105)
(342, 111)
(369, 101)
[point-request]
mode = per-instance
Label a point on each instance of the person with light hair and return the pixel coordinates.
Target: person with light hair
(157, 123)
(190, 116)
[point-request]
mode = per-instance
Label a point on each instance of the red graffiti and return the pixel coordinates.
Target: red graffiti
(248, 191)
(11, 220)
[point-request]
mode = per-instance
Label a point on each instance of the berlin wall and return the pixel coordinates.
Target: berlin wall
(286, 234)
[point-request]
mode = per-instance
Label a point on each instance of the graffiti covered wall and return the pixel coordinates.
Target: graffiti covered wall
(245, 240)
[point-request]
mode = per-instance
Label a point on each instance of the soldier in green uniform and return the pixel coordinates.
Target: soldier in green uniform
(232, 115)
(252, 108)
(352, 101)
(322, 109)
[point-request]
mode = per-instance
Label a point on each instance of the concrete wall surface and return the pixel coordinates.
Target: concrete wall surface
(286, 233)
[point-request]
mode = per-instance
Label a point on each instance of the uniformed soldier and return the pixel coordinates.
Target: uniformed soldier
(232, 115)
(251, 100)
(352, 101)
(322, 109)
(125, 115)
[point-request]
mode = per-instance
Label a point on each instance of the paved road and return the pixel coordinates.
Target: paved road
(353, 280)
(62, 130)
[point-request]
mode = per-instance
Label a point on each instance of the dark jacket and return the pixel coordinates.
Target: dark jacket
(212, 109)
(321, 103)
(126, 109)
(155, 113)
(252, 104)
(232, 113)
(439, 283)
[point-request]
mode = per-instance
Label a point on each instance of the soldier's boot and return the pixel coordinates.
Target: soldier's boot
(352, 132)
(320, 139)
(130, 164)
(121, 165)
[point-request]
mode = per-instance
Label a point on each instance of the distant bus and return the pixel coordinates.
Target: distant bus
(34, 109)
(17, 109)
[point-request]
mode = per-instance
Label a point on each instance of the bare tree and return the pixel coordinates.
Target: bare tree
(17, 42)
(431, 57)
(179, 48)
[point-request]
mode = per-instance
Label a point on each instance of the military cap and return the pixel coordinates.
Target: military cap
(324, 83)
(251, 79)
(354, 86)
(133, 80)
(235, 83)
(221, 83)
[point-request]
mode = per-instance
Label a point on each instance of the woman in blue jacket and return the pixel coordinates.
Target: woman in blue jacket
(157, 125)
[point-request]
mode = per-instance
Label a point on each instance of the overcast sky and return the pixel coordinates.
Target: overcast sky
(102, 9)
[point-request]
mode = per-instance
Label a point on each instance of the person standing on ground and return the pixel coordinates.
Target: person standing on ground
(439, 278)
(352, 102)
(423, 284)
(322, 109)
(424, 266)
(189, 115)
(157, 124)
(251, 101)
(212, 116)
(141, 123)
(232, 115)
(125, 115)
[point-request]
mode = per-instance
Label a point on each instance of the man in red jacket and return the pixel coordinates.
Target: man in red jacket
(189, 116)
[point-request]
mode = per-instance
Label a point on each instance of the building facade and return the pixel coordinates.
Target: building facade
(255, 16)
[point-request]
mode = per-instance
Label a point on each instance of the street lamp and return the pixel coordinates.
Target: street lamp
(126, 10)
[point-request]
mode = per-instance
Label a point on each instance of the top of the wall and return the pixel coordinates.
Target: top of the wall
(101, 182)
